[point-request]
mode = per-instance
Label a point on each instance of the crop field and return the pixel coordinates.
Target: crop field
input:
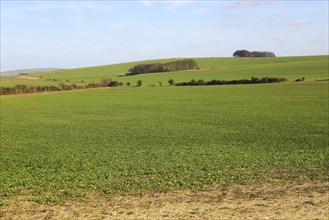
(164, 110)
(309, 67)
(62, 145)
(247, 141)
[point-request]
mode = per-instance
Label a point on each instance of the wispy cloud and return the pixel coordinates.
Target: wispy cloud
(247, 4)
(178, 3)
(281, 38)
(74, 6)
(123, 25)
(171, 4)
(147, 2)
(300, 22)
(201, 11)
(244, 4)
(28, 12)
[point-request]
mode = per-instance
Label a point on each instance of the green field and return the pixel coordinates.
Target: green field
(309, 67)
(59, 145)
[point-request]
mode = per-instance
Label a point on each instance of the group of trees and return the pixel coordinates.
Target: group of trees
(187, 64)
(22, 89)
(253, 80)
(246, 53)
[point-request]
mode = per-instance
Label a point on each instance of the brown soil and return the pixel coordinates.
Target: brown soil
(270, 201)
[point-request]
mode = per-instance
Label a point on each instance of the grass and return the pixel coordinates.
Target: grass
(310, 67)
(56, 146)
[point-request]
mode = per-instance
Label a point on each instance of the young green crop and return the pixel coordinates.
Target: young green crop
(114, 140)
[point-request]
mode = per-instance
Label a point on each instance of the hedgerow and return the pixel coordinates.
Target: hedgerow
(253, 80)
(23, 89)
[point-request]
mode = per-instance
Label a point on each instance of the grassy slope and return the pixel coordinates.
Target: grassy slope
(310, 67)
(116, 140)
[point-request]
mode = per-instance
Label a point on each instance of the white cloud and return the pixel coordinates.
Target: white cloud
(300, 22)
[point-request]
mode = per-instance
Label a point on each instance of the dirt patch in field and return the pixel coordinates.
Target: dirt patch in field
(289, 201)
(27, 77)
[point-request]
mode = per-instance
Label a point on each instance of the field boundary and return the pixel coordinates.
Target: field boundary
(270, 201)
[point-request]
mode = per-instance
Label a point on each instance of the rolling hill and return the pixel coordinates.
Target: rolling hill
(29, 71)
(309, 67)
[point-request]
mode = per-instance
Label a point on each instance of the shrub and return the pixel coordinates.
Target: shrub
(113, 84)
(200, 82)
(139, 83)
(105, 81)
(171, 82)
(193, 82)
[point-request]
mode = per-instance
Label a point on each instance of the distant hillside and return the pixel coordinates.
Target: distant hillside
(210, 68)
(29, 71)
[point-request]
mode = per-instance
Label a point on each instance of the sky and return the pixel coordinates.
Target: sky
(70, 34)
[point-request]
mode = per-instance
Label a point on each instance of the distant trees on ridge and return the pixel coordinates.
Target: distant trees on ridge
(246, 53)
(187, 64)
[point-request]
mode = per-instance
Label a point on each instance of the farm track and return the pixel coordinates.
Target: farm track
(266, 201)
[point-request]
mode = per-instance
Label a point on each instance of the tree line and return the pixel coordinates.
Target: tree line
(187, 64)
(253, 80)
(23, 89)
(246, 53)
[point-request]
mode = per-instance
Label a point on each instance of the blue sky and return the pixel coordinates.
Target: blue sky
(68, 34)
